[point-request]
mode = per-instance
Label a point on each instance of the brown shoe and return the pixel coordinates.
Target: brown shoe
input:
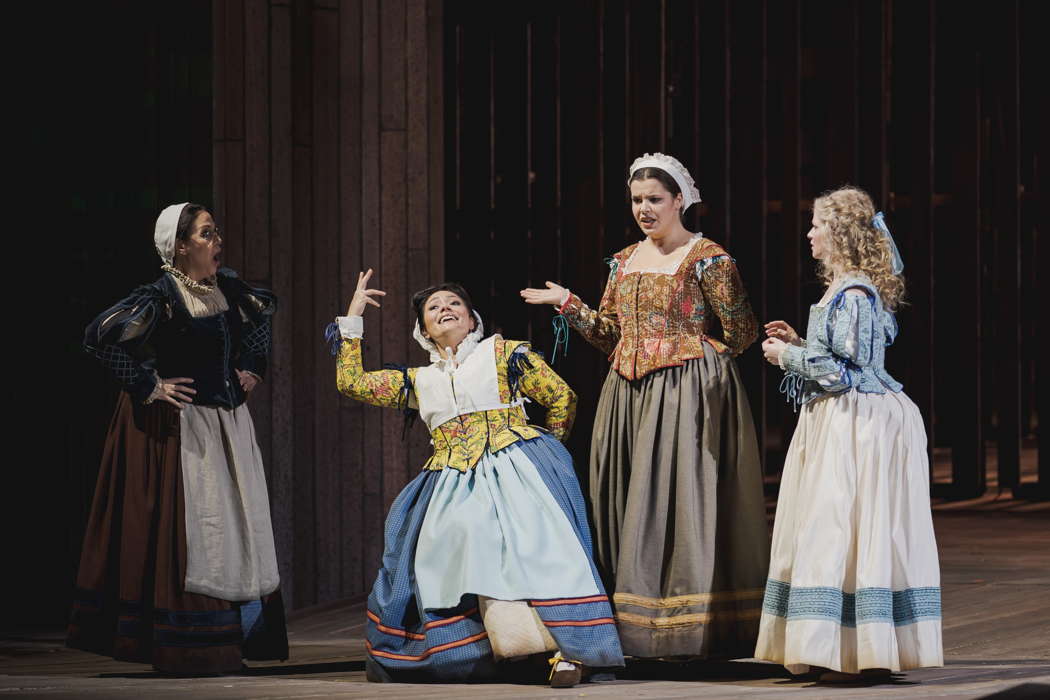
(565, 673)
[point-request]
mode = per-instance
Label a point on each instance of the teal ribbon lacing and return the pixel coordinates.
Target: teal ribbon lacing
(791, 386)
(561, 336)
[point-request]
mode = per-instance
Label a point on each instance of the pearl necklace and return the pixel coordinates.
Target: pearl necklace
(203, 287)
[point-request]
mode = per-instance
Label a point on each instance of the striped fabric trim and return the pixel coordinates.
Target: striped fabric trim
(392, 631)
(398, 632)
(580, 623)
(682, 601)
(569, 601)
(686, 620)
(867, 605)
(429, 652)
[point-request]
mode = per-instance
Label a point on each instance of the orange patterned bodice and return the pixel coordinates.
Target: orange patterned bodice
(651, 320)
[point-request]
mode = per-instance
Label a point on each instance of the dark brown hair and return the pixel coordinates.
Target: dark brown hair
(189, 214)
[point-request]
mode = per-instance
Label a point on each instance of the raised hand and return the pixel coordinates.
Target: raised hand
(363, 295)
(553, 294)
(782, 331)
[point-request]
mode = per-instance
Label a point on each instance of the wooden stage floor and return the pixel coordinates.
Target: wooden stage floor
(995, 564)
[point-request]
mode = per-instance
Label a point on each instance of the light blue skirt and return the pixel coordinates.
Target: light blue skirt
(496, 531)
(514, 528)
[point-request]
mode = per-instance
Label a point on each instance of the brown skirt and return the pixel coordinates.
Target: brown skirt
(129, 601)
(679, 517)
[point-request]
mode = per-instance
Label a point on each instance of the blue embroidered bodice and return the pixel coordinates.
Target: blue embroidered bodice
(845, 347)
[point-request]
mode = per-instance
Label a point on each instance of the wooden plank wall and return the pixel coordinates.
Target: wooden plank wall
(327, 151)
(932, 110)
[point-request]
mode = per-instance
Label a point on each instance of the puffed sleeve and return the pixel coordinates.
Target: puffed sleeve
(389, 388)
(600, 328)
(724, 291)
(119, 338)
(850, 332)
(528, 371)
(257, 307)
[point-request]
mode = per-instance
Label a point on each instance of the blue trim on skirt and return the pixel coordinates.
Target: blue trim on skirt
(453, 644)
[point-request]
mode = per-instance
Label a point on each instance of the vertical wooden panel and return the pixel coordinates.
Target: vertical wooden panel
(786, 234)
(712, 170)
(257, 139)
(393, 196)
(282, 480)
(617, 229)
(436, 135)
(353, 528)
(392, 63)
(959, 277)
(232, 221)
(913, 54)
(746, 238)
(371, 257)
(395, 316)
(325, 276)
(473, 227)
(682, 67)
(510, 225)
(581, 156)
(1005, 152)
(303, 313)
(873, 103)
(1035, 257)
(220, 100)
(646, 96)
(542, 143)
(257, 189)
(419, 169)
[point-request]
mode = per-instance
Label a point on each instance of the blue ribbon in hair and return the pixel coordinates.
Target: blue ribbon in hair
(879, 222)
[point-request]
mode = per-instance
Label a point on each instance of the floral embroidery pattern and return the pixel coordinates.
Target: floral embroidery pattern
(724, 290)
(459, 443)
(380, 388)
(541, 384)
(647, 321)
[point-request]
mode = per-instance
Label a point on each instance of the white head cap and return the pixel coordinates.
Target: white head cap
(164, 232)
(465, 347)
(671, 166)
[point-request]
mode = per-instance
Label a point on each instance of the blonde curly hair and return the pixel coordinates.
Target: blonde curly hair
(855, 244)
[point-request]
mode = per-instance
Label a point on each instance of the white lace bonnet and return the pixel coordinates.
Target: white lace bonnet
(671, 166)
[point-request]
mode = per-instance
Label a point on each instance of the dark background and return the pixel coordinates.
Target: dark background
(488, 144)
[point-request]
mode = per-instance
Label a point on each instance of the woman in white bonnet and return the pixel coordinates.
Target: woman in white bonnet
(487, 552)
(178, 567)
(676, 484)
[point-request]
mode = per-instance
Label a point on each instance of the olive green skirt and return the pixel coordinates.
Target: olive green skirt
(680, 523)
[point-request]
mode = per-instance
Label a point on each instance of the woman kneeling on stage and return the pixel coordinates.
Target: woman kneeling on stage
(487, 551)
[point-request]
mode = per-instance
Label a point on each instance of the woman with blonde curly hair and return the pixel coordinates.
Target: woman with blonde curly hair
(854, 584)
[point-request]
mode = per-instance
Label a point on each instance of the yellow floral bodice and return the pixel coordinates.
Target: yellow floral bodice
(460, 442)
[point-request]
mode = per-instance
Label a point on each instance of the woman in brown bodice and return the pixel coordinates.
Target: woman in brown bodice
(675, 479)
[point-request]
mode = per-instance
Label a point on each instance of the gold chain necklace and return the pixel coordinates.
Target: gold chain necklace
(202, 287)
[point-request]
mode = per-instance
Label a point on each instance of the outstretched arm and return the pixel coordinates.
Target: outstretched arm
(600, 328)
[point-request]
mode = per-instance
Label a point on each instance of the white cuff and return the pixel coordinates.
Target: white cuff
(564, 298)
(351, 326)
(780, 357)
